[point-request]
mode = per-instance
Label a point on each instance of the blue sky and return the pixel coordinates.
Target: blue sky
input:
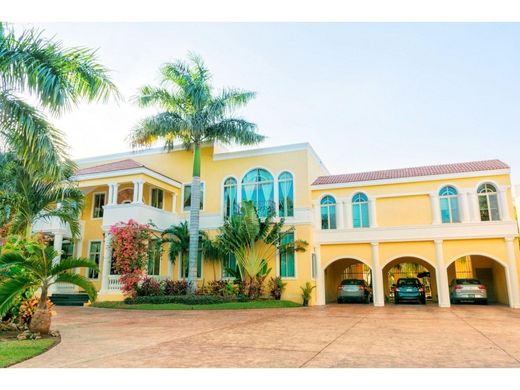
(365, 95)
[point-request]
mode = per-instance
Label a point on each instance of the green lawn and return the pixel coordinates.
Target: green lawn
(215, 306)
(15, 351)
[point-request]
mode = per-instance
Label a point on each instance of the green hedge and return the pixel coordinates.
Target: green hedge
(185, 299)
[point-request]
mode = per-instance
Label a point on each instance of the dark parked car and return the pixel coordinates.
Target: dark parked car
(409, 289)
(468, 290)
(354, 290)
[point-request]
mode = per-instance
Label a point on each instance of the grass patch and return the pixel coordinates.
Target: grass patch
(15, 351)
(214, 306)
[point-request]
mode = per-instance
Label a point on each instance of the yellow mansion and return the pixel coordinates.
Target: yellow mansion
(446, 221)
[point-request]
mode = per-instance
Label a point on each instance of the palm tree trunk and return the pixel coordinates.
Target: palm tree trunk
(194, 219)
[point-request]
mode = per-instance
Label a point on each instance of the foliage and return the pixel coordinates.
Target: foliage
(276, 287)
(28, 264)
(306, 292)
(223, 288)
(193, 114)
(149, 287)
(56, 78)
(185, 299)
(253, 241)
(175, 287)
(238, 305)
(130, 244)
(28, 308)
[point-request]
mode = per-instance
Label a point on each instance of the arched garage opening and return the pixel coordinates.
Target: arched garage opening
(342, 269)
(489, 272)
(409, 267)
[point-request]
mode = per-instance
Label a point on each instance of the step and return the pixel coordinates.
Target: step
(69, 299)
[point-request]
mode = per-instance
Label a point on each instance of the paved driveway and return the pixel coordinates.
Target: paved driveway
(331, 336)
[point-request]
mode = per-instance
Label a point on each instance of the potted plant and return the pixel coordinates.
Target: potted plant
(276, 287)
(306, 293)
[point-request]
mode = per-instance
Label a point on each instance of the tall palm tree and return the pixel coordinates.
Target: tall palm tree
(57, 78)
(33, 268)
(193, 115)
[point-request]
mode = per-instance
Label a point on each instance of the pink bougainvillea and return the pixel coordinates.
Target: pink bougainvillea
(130, 252)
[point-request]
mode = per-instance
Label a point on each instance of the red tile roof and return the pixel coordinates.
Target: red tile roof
(113, 166)
(429, 170)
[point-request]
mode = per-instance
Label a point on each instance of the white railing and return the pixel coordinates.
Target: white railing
(51, 225)
(114, 285)
(139, 212)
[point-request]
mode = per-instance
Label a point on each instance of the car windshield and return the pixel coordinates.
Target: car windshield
(408, 282)
(354, 282)
(468, 281)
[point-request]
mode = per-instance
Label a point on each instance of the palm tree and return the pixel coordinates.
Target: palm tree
(57, 78)
(32, 200)
(192, 114)
(254, 240)
(33, 268)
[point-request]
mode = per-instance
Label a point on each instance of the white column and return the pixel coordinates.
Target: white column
(107, 259)
(58, 242)
(348, 214)
(320, 280)
(473, 206)
(505, 215)
(441, 273)
(138, 191)
(317, 214)
(341, 214)
(112, 193)
(436, 210)
(464, 207)
(377, 277)
(512, 274)
(372, 216)
(174, 202)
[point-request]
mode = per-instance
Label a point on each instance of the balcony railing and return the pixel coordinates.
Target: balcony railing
(139, 212)
(114, 284)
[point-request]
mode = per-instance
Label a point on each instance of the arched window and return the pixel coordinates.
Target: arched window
(328, 212)
(230, 197)
(449, 205)
(258, 187)
(488, 203)
(285, 195)
(360, 211)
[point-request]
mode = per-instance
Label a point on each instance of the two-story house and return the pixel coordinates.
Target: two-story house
(448, 220)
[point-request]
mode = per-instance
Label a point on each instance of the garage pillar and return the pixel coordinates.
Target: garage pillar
(443, 290)
(377, 277)
(512, 274)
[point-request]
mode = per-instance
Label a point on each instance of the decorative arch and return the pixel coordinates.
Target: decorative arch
(492, 257)
(408, 255)
(334, 259)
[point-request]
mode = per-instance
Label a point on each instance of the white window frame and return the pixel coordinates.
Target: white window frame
(328, 212)
(223, 192)
(295, 263)
(278, 193)
(163, 197)
(94, 204)
(100, 257)
(360, 205)
(450, 197)
(487, 194)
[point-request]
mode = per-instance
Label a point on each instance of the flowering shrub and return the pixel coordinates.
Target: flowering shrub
(149, 287)
(222, 288)
(176, 287)
(130, 253)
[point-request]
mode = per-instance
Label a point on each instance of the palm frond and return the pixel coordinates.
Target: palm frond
(11, 289)
(79, 281)
(68, 264)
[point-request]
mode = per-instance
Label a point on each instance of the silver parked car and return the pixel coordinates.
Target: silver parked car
(468, 290)
(354, 290)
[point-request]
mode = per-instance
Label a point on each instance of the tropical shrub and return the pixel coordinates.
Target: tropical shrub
(223, 288)
(149, 287)
(254, 240)
(276, 287)
(29, 265)
(29, 307)
(130, 245)
(175, 287)
(183, 299)
(306, 293)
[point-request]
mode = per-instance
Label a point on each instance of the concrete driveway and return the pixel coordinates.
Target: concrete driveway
(331, 336)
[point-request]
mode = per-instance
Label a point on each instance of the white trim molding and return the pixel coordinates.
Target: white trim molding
(128, 172)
